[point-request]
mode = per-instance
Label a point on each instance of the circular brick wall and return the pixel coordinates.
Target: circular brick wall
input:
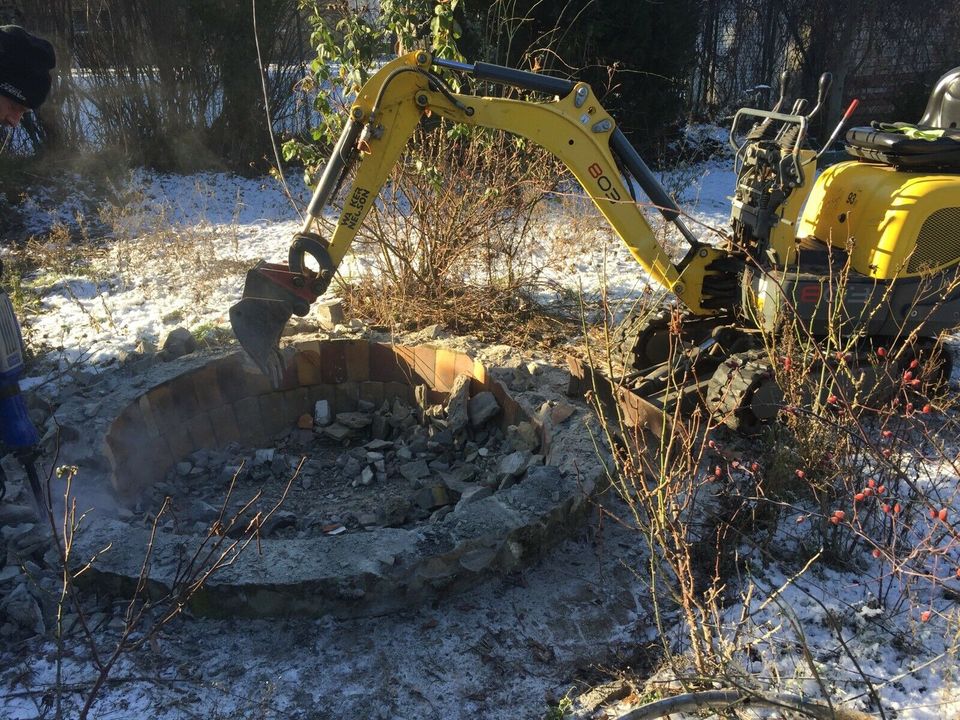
(213, 402)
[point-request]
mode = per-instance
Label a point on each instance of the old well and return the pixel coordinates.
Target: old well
(409, 472)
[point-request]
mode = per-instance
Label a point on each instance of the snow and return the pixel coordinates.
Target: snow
(426, 663)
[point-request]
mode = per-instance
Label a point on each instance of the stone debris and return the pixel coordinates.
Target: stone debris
(483, 408)
(178, 343)
(380, 464)
(321, 413)
(329, 313)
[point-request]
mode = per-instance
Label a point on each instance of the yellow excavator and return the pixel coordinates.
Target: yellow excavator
(870, 248)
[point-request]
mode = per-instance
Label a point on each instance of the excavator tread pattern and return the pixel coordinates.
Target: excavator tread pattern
(733, 388)
(632, 338)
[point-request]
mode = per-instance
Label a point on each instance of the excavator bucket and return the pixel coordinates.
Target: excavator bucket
(271, 295)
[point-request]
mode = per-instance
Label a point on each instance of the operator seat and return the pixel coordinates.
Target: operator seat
(877, 144)
(943, 107)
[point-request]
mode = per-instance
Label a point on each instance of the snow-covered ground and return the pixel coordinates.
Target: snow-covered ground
(454, 661)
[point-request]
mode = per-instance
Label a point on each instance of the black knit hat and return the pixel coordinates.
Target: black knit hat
(25, 65)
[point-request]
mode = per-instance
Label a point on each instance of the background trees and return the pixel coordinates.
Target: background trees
(176, 84)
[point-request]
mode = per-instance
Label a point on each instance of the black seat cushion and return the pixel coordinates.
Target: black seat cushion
(892, 148)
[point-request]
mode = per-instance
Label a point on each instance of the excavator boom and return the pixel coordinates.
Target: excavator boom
(573, 126)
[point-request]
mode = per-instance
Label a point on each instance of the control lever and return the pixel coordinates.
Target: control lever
(836, 130)
(826, 80)
(784, 78)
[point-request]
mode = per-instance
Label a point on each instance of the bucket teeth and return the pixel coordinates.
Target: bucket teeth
(257, 324)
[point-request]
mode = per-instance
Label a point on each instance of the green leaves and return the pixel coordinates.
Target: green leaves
(351, 44)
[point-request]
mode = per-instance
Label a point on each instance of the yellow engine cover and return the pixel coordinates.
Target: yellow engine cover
(895, 224)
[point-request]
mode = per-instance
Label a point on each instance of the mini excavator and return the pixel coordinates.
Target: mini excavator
(869, 248)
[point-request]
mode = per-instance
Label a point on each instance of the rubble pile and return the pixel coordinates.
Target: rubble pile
(392, 465)
(26, 556)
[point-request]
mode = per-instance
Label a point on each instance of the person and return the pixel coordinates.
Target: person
(25, 64)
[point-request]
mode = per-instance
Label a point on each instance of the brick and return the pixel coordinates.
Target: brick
(162, 408)
(308, 367)
(372, 391)
(297, 402)
(358, 359)
(401, 390)
(425, 363)
(231, 379)
(178, 440)
(206, 388)
(346, 396)
(247, 412)
(322, 392)
(146, 411)
(384, 366)
(250, 379)
(225, 427)
(154, 464)
(333, 366)
(446, 369)
(479, 372)
(184, 398)
(465, 365)
(272, 414)
(201, 431)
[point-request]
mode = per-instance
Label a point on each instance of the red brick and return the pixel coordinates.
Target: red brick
(201, 432)
(146, 410)
(308, 367)
(231, 378)
(346, 395)
(425, 364)
(162, 408)
(297, 402)
(184, 398)
(358, 359)
(225, 427)
(272, 414)
(178, 440)
(464, 365)
(401, 390)
(206, 388)
(333, 365)
(446, 369)
(247, 412)
(372, 391)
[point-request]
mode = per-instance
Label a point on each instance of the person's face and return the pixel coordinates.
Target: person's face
(10, 112)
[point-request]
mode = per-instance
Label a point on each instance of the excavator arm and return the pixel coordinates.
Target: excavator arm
(574, 127)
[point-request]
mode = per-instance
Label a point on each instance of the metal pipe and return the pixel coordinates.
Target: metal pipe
(330, 179)
(651, 187)
(453, 65)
